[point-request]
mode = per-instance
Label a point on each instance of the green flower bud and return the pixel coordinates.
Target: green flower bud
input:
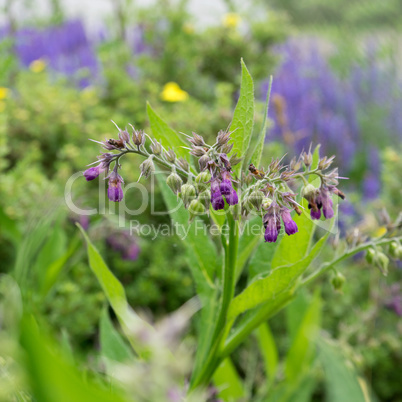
(195, 208)
(147, 167)
(174, 182)
(256, 198)
(399, 253)
(156, 148)
(202, 179)
(370, 256)
(187, 193)
(170, 156)
(382, 262)
(246, 207)
(337, 281)
(266, 203)
(308, 191)
(202, 162)
(393, 249)
(205, 198)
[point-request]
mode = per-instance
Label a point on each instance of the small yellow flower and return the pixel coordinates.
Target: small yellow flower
(231, 20)
(381, 231)
(37, 66)
(188, 28)
(391, 155)
(173, 93)
(4, 92)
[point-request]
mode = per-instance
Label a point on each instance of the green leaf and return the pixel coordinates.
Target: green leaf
(243, 117)
(260, 262)
(228, 382)
(205, 328)
(293, 248)
(53, 248)
(29, 249)
(341, 381)
(52, 272)
(300, 353)
(268, 350)
(131, 323)
(9, 228)
(112, 344)
(162, 132)
(256, 158)
(52, 376)
(202, 254)
(295, 312)
(252, 319)
(248, 243)
(271, 286)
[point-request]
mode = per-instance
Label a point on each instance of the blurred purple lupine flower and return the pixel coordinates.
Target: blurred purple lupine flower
(372, 179)
(66, 49)
(319, 106)
(312, 104)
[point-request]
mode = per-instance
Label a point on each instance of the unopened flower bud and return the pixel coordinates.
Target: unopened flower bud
(203, 162)
(246, 207)
(308, 191)
(266, 203)
(337, 281)
(295, 164)
(202, 179)
(370, 255)
(205, 198)
(197, 151)
(226, 149)
(256, 198)
(182, 163)
(195, 208)
(147, 167)
(92, 173)
(382, 262)
(174, 181)
(222, 138)
(187, 193)
(170, 156)
(307, 159)
(138, 137)
(393, 249)
(234, 160)
(124, 136)
(197, 140)
(156, 148)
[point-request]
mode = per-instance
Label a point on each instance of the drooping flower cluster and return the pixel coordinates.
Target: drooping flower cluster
(270, 193)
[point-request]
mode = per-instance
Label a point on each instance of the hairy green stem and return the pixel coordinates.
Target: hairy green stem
(157, 159)
(329, 265)
(228, 284)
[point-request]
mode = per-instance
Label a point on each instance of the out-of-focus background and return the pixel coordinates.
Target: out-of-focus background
(68, 67)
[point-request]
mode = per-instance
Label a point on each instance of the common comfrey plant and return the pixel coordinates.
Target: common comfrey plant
(269, 193)
(229, 183)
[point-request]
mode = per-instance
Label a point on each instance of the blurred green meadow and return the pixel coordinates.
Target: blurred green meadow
(336, 81)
